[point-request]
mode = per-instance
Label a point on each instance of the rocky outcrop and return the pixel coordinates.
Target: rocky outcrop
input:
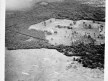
(67, 32)
(43, 3)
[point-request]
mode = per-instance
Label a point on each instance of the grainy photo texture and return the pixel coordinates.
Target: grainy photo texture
(54, 40)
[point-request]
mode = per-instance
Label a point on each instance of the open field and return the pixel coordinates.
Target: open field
(46, 65)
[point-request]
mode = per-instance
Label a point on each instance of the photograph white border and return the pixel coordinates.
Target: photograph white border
(106, 44)
(2, 40)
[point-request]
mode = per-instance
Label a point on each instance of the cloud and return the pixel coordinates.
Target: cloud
(18, 4)
(23, 4)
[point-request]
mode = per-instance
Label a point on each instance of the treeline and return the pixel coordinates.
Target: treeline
(91, 56)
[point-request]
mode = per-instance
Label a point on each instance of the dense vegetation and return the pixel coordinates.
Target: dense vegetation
(91, 56)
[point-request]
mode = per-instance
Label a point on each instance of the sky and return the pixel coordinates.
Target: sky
(23, 4)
